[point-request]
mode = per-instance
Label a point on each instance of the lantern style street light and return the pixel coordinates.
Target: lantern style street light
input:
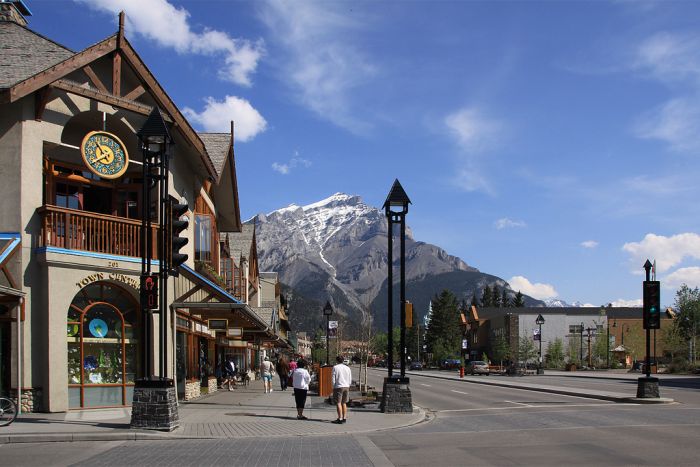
(540, 321)
(397, 198)
(327, 312)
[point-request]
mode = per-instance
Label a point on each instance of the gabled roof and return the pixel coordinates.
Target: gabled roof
(60, 62)
(218, 146)
(240, 243)
(266, 315)
(24, 53)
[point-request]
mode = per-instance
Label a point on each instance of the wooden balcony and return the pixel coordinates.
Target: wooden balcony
(88, 231)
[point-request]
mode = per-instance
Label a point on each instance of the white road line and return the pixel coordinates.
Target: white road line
(427, 385)
(459, 392)
(520, 403)
(535, 407)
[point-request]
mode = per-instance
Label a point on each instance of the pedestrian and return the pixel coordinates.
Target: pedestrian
(266, 371)
(292, 367)
(300, 383)
(341, 377)
(230, 372)
(282, 368)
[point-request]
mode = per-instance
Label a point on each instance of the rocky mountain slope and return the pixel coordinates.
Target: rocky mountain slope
(336, 249)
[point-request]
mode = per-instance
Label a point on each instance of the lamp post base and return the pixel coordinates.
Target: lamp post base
(647, 387)
(396, 396)
(540, 371)
(155, 405)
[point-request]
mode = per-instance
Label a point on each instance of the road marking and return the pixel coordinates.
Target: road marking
(459, 392)
(520, 403)
(428, 385)
(537, 407)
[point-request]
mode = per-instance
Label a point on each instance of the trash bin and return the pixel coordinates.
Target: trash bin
(325, 388)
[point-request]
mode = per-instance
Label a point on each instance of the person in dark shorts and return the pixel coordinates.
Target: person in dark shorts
(300, 381)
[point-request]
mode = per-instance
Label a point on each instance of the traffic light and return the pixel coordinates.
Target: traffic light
(652, 305)
(177, 223)
(409, 314)
(149, 291)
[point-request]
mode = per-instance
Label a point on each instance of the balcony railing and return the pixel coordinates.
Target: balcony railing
(88, 231)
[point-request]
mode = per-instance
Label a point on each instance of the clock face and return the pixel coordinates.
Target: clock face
(104, 154)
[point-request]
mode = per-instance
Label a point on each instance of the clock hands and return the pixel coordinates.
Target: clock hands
(102, 153)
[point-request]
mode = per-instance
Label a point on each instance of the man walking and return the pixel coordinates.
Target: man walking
(341, 379)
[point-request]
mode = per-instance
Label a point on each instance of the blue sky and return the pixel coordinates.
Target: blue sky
(555, 144)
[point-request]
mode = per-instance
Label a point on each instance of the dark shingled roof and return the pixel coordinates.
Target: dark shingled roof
(265, 314)
(24, 53)
(240, 242)
(217, 145)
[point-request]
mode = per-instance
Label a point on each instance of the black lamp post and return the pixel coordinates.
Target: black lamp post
(397, 198)
(327, 312)
(155, 141)
(581, 344)
(154, 403)
(540, 321)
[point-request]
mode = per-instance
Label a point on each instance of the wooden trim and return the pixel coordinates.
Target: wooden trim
(116, 74)
(41, 99)
(60, 70)
(75, 88)
(189, 293)
(94, 79)
(135, 93)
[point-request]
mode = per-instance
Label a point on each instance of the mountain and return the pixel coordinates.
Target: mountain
(336, 250)
(558, 303)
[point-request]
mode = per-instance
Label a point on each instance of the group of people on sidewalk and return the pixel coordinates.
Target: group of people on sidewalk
(295, 374)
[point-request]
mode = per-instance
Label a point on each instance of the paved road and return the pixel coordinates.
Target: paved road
(501, 426)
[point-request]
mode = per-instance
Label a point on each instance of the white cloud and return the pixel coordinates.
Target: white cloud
(675, 122)
(294, 162)
(505, 223)
(168, 26)
(667, 251)
(589, 244)
(627, 303)
(689, 276)
(321, 61)
(673, 59)
(217, 117)
(538, 290)
(472, 131)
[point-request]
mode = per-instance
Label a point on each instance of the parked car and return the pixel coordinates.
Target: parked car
(416, 366)
(450, 364)
(380, 363)
(477, 367)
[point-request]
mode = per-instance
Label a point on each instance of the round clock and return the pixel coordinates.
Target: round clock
(104, 154)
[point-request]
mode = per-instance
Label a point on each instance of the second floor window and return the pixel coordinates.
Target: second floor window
(202, 238)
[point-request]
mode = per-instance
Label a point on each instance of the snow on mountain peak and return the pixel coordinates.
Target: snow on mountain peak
(337, 198)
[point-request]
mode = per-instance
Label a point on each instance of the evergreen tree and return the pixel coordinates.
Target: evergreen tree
(443, 336)
(486, 300)
(505, 301)
(526, 349)
(500, 350)
(495, 297)
(475, 301)
(554, 355)
(519, 301)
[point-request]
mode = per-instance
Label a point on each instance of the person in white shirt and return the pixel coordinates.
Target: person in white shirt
(300, 383)
(266, 370)
(341, 379)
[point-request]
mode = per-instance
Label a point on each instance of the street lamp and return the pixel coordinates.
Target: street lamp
(327, 312)
(581, 342)
(540, 321)
(396, 396)
(397, 198)
(154, 403)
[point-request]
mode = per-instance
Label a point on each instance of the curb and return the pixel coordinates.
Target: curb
(563, 391)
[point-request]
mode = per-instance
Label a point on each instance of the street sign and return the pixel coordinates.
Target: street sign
(536, 335)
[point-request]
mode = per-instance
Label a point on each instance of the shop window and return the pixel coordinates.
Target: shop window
(103, 347)
(202, 238)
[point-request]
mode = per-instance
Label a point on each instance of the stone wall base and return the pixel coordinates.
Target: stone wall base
(31, 399)
(211, 385)
(155, 405)
(647, 387)
(396, 396)
(193, 390)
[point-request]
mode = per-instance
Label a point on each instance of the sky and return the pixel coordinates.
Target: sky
(555, 144)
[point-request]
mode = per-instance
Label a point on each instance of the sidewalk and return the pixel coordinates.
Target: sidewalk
(242, 413)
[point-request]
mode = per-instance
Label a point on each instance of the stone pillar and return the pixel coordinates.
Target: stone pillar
(648, 387)
(155, 405)
(396, 396)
